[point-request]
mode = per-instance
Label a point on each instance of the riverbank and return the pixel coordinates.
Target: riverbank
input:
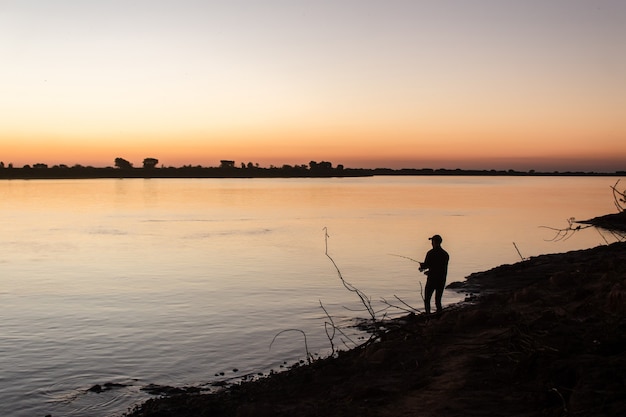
(545, 336)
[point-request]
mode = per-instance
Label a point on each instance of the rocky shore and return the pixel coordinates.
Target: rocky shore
(542, 337)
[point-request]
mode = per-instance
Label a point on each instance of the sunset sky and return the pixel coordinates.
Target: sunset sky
(483, 84)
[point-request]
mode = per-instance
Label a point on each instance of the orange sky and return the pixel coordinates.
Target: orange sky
(487, 85)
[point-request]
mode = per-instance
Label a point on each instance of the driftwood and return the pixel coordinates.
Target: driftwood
(614, 223)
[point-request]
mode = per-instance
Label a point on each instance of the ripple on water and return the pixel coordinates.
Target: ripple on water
(108, 396)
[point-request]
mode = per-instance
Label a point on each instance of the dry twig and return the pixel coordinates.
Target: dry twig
(408, 308)
(619, 198)
(519, 253)
(366, 301)
(331, 336)
(309, 357)
(566, 233)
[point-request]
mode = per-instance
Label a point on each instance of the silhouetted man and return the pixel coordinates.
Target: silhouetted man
(435, 266)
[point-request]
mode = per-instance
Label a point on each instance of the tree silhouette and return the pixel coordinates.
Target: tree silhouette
(150, 162)
(122, 163)
(320, 166)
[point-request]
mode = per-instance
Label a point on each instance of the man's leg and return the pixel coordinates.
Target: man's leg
(439, 295)
(430, 288)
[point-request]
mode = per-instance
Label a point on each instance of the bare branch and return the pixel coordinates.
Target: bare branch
(518, 252)
(332, 324)
(403, 302)
(331, 337)
(565, 233)
(408, 310)
(619, 197)
(366, 301)
(309, 357)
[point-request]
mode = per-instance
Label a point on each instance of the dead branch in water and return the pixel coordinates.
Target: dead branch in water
(330, 337)
(365, 300)
(404, 307)
(567, 232)
(309, 357)
(619, 197)
(604, 222)
(335, 329)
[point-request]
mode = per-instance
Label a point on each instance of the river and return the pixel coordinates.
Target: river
(186, 282)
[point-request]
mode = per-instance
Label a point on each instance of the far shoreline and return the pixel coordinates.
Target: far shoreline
(80, 172)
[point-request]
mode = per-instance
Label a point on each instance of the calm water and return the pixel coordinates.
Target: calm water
(173, 282)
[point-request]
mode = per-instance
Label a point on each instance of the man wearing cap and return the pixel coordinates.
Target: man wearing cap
(435, 266)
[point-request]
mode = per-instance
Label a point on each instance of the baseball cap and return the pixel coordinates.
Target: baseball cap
(436, 238)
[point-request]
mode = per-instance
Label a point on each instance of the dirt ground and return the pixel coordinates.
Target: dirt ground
(543, 337)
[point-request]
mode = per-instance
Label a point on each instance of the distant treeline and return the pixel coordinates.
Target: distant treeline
(229, 169)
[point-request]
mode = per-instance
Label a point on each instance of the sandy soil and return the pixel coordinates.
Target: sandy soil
(543, 337)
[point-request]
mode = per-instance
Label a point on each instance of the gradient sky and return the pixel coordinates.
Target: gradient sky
(528, 84)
